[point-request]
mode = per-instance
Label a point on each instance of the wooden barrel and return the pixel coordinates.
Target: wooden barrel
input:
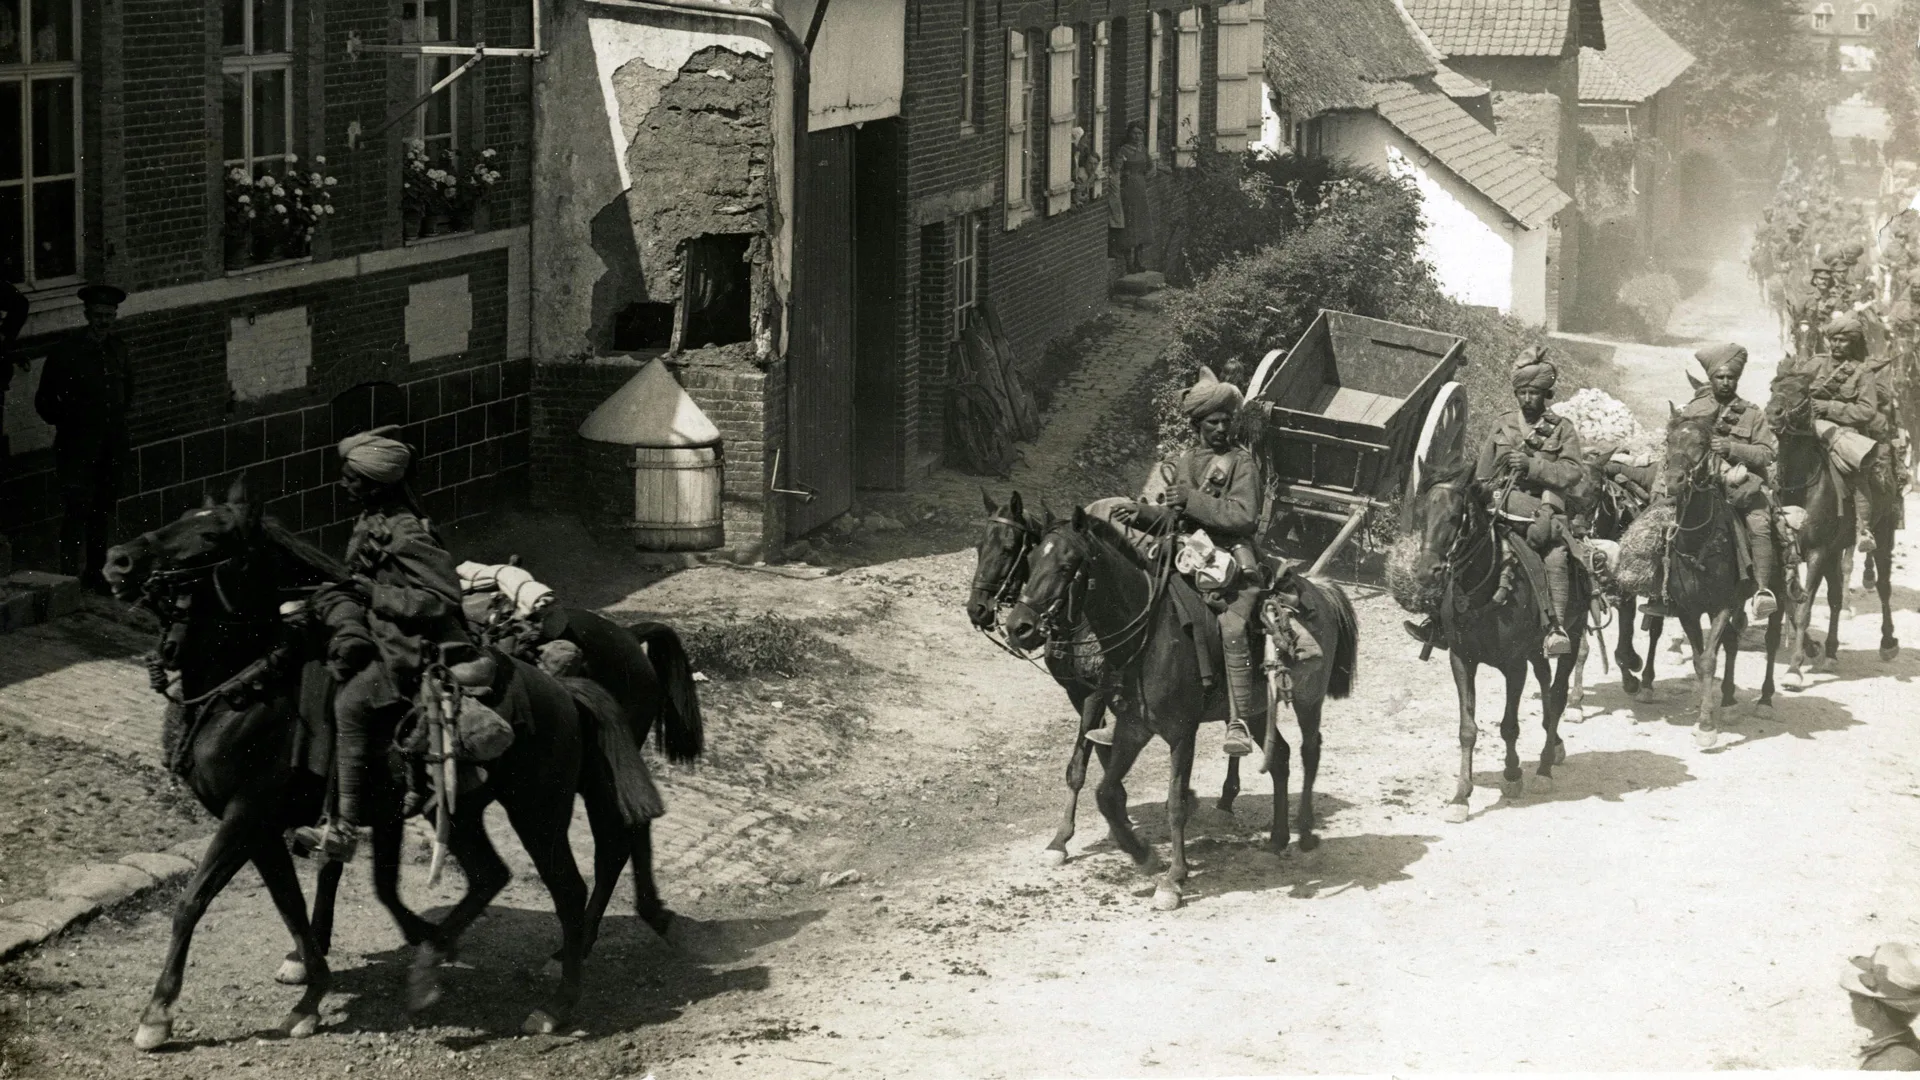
(676, 498)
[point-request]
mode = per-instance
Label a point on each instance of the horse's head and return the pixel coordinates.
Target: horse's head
(1000, 558)
(1790, 403)
(212, 546)
(1446, 505)
(1054, 572)
(1689, 462)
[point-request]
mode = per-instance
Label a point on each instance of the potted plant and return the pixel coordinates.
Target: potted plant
(418, 191)
(309, 203)
(473, 187)
(240, 218)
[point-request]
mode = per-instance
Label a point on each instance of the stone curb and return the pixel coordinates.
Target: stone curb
(86, 890)
(29, 597)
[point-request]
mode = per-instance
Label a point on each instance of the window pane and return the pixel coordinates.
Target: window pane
(269, 26)
(437, 17)
(53, 230)
(436, 116)
(52, 31)
(10, 35)
(13, 235)
(10, 141)
(233, 26)
(270, 112)
(233, 116)
(52, 127)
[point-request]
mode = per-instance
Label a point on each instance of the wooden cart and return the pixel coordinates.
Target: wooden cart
(1355, 414)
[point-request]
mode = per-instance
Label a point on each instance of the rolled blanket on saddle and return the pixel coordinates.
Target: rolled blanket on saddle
(1404, 583)
(1641, 549)
(513, 583)
(1847, 447)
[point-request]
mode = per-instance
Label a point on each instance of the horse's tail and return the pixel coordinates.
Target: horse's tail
(682, 734)
(1346, 648)
(620, 769)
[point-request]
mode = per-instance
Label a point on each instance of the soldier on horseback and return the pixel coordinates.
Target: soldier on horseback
(1535, 457)
(1746, 447)
(1854, 412)
(1215, 487)
(397, 617)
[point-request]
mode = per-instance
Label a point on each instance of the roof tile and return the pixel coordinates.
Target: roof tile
(1456, 140)
(1640, 60)
(1498, 27)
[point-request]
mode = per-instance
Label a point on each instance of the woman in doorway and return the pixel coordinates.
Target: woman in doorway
(1134, 165)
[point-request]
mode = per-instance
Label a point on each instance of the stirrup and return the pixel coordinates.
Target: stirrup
(1557, 643)
(1239, 739)
(1100, 736)
(1763, 605)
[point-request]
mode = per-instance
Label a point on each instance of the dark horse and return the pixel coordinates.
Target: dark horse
(1083, 570)
(217, 578)
(1000, 570)
(1807, 479)
(1704, 579)
(1461, 557)
(1615, 509)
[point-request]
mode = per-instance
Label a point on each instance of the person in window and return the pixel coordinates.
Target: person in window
(86, 391)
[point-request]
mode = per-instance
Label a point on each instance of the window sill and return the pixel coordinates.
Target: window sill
(1018, 216)
(969, 128)
(437, 237)
(277, 264)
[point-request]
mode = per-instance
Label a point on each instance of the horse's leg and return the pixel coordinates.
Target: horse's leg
(1463, 673)
(231, 848)
(326, 888)
(1576, 692)
(1656, 625)
(283, 884)
(542, 827)
(646, 892)
(1764, 702)
(1090, 709)
(1731, 643)
(389, 836)
(1883, 559)
(1542, 674)
(1111, 795)
(486, 876)
(1623, 653)
(1553, 751)
(1166, 895)
(1307, 709)
(612, 848)
(1835, 592)
(1516, 675)
(1230, 787)
(1277, 762)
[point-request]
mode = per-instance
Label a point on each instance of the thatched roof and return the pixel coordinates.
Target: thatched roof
(1323, 54)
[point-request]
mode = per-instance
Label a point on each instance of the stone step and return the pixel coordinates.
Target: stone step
(1140, 284)
(31, 597)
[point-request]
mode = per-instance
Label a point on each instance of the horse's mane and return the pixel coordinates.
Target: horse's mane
(1105, 532)
(1459, 471)
(304, 553)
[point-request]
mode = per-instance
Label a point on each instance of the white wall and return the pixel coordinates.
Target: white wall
(859, 61)
(1478, 254)
(1273, 137)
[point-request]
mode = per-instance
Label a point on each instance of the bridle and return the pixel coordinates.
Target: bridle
(168, 594)
(1464, 542)
(1059, 618)
(1001, 596)
(1698, 477)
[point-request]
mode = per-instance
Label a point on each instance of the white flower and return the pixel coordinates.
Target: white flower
(319, 160)
(266, 180)
(279, 208)
(489, 152)
(417, 145)
(279, 192)
(331, 181)
(299, 191)
(237, 174)
(329, 208)
(292, 158)
(244, 199)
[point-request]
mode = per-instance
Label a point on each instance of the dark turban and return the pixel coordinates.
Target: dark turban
(1845, 322)
(1717, 358)
(1533, 371)
(376, 455)
(1208, 395)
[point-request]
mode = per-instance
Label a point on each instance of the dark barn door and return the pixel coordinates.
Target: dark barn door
(820, 364)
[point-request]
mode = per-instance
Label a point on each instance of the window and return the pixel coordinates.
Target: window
(40, 161)
(1100, 123)
(1254, 95)
(1186, 74)
(1019, 180)
(1823, 17)
(1063, 84)
(257, 99)
(1156, 55)
(969, 33)
(1863, 18)
(966, 272)
(431, 22)
(719, 283)
(1229, 106)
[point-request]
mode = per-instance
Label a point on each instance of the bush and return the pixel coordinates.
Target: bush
(766, 644)
(1651, 297)
(1236, 204)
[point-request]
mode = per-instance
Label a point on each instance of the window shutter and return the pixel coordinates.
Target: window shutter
(1256, 50)
(1061, 46)
(1229, 101)
(1100, 146)
(1156, 75)
(1186, 72)
(1017, 110)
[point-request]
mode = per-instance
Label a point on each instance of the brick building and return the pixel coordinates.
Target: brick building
(255, 346)
(809, 308)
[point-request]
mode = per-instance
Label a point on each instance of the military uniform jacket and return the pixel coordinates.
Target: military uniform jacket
(411, 591)
(1851, 394)
(85, 392)
(1555, 459)
(1750, 443)
(1223, 494)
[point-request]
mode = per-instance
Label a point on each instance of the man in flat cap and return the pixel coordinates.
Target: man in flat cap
(1215, 487)
(1884, 988)
(1746, 447)
(86, 391)
(1849, 396)
(400, 613)
(1536, 456)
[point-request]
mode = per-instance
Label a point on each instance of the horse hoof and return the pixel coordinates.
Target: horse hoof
(1455, 813)
(1053, 857)
(292, 973)
(1166, 898)
(538, 1022)
(1705, 740)
(1646, 696)
(550, 970)
(1763, 710)
(1888, 652)
(423, 989)
(1513, 789)
(1823, 665)
(151, 1037)
(299, 1025)
(1540, 785)
(1560, 753)
(1309, 842)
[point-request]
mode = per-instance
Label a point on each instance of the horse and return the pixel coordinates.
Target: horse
(1806, 477)
(1703, 574)
(217, 579)
(1460, 556)
(1614, 510)
(1083, 570)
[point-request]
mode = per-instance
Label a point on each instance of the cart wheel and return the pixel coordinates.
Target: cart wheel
(1443, 436)
(1268, 364)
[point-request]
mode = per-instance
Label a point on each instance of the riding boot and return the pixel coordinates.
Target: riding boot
(1426, 631)
(1560, 591)
(337, 838)
(1238, 654)
(1860, 484)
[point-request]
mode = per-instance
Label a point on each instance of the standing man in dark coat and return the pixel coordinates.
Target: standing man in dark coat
(13, 319)
(85, 393)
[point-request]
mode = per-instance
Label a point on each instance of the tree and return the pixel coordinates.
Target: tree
(1896, 79)
(1752, 63)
